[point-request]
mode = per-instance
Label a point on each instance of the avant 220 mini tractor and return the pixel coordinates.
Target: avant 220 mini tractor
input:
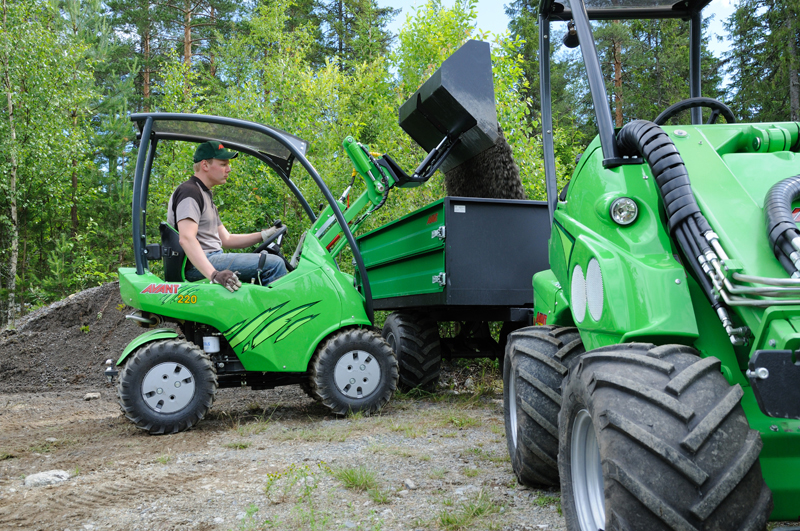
(663, 391)
(312, 327)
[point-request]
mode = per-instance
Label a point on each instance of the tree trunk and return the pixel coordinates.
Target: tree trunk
(74, 208)
(12, 184)
(618, 82)
(794, 82)
(146, 70)
(187, 33)
(212, 67)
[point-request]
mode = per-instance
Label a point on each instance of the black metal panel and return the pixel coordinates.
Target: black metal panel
(778, 389)
(458, 98)
(493, 247)
(559, 9)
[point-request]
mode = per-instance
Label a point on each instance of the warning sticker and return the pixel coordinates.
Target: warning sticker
(796, 215)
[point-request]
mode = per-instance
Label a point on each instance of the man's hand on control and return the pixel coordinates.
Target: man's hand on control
(267, 233)
(227, 279)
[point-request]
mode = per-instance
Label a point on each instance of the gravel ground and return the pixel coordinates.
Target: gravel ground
(265, 460)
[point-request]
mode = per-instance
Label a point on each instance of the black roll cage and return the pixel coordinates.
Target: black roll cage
(576, 10)
(144, 164)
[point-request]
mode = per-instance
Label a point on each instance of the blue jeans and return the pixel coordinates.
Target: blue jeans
(244, 264)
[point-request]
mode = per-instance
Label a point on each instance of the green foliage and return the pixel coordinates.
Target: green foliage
(359, 478)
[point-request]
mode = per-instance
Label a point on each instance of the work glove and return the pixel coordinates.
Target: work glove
(267, 233)
(227, 279)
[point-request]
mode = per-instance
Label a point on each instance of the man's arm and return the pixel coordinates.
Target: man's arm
(187, 230)
(236, 241)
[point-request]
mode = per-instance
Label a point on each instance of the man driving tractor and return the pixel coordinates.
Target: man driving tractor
(203, 237)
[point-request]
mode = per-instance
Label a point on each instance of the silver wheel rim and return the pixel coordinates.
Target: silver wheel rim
(587, 474)
(168, 387)
(392, 342)
(512, 407)
(357, 374)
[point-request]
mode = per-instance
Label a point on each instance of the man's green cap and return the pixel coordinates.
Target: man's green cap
(213, 150)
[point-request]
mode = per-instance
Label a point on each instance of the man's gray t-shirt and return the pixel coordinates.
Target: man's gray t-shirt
(193, 200)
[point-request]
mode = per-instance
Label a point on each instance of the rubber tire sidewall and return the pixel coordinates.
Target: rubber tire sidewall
(328, 355)
(417, 347)
(148, 356)
(746, 507)
(535, 459)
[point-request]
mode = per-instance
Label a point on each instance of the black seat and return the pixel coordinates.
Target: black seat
(172, 254)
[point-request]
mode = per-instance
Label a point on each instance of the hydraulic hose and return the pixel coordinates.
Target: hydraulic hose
(686, 222)
(782, 231)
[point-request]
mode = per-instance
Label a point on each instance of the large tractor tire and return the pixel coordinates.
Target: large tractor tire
(167, 386)
(537, 360)
(415, 340)
(654, 438)
(354, 370)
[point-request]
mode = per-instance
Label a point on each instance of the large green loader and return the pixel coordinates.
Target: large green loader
(662, 387)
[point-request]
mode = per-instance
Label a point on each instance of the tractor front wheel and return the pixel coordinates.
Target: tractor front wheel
(654, 438)
(167, 386)
(536, 361)
(354, 370)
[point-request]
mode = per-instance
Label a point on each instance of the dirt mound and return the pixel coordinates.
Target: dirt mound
(66, 344)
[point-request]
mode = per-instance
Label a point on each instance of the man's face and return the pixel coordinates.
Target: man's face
(217, 170)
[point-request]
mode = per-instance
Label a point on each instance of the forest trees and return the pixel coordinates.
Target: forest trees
(72, 72)
(764, 60)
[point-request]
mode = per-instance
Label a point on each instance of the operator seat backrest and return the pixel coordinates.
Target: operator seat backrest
(172, 254)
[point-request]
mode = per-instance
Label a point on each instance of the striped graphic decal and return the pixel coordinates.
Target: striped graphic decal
(267, 325)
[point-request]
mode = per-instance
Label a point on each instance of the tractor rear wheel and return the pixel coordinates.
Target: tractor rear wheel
(654, 438)
(537, 360)
(415, 340)
(354, 370)
(167, 386)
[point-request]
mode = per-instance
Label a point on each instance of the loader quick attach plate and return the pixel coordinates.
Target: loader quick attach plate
(777, 389)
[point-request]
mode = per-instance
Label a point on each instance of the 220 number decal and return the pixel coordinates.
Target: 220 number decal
(186, 299)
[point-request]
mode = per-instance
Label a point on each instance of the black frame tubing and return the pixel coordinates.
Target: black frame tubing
(144, 143)
(151, 155)
(695, 44)
(597, 85)
(551, 184)
(146, 131)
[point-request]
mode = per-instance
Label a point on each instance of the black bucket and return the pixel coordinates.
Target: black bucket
(458, 98)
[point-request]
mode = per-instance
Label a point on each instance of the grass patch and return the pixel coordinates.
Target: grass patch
(252, 428)
(466, 514)
(486, 455)
(378, 496)
(6, 455)
(238, 445)
(410, 430)
(322, 434)
(164, 459)
(471, 472)
(360, 478)
(438, 473)
(547, 501)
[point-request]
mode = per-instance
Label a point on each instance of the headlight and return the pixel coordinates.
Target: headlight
(624, 211)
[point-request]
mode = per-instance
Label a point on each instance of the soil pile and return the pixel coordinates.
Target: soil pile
(67, 343)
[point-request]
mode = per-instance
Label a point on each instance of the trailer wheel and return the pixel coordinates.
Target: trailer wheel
(167, 386)
(654, 438)
(415, 340)
(354, 370)
(537, 360)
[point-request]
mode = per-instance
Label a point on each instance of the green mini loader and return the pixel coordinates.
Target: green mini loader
(312, 327)
(662, 387)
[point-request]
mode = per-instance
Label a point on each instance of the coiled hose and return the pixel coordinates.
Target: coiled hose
(782, 232)
(686, 222)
